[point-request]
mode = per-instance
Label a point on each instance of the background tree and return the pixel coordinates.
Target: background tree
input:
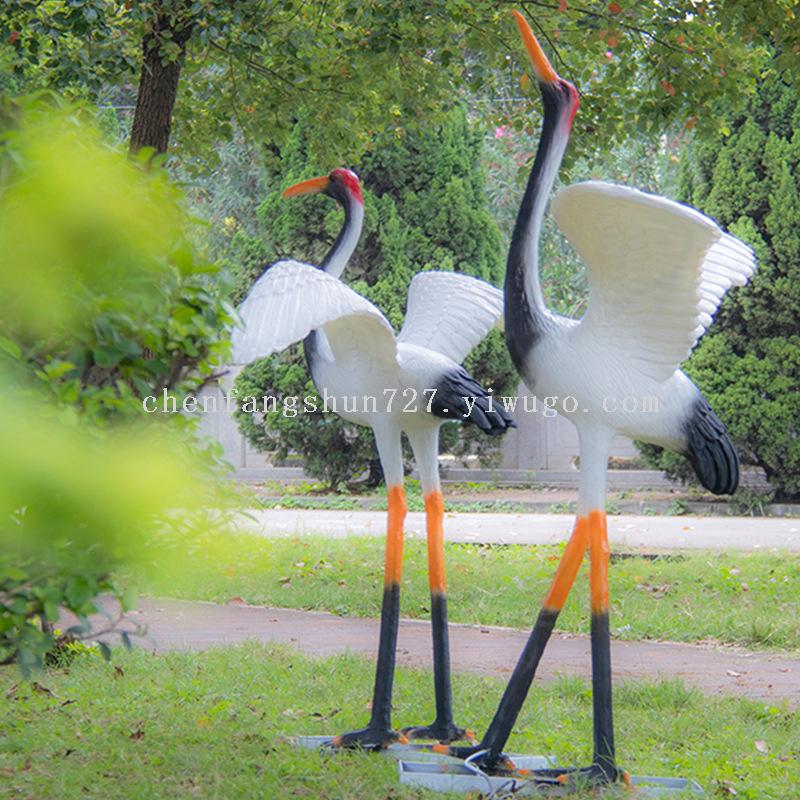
(748, 365)
(363, 72)
(371, 67)
(425, 208)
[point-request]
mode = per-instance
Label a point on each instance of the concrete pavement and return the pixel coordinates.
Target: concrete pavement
(624, 531)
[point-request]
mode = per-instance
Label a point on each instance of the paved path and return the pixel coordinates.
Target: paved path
(488, 651)
(624, 531)
(493, 651)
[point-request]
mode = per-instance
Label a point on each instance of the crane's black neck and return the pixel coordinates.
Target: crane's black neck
(338, 256)
(525, 309)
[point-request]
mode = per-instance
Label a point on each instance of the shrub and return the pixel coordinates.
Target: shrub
(104, 304)
(748, 364)
(425, 209)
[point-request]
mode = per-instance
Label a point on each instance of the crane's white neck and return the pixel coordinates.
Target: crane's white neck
(532, 233)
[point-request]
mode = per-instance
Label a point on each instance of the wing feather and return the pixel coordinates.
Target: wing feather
(290, 300)
(450, 313)
(658, 270)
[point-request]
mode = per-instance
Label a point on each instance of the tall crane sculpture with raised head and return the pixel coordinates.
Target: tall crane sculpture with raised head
(410, 383)
(657, 272)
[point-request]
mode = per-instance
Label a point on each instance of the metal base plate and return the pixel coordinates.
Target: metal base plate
(462, 777)
(415, 753)
(418, 765)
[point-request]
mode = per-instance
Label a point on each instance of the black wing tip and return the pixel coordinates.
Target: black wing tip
(454, 391)
(710, 451)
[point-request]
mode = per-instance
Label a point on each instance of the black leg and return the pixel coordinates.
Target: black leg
(589, 531)
(443, 729)
(379, 733)
(514, 696)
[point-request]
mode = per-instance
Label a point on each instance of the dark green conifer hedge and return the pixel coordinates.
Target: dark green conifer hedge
(425, 208)
(748, 365)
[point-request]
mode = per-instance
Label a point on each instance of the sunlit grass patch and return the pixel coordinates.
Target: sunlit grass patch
(750, 599)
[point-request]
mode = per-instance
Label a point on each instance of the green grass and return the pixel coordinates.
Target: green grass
(218, 725)
(735, 598)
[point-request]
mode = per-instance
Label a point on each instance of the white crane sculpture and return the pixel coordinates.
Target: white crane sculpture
(657, 271)
(412, 383)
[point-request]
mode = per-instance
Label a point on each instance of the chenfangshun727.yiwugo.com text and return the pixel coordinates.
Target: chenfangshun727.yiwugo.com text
(407, 401)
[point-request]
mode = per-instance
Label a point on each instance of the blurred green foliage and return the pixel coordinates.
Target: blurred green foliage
(425, 208)
(107, 302)
(748, 365)
(104, 303)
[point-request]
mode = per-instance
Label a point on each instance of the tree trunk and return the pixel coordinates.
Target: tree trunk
(158, 87)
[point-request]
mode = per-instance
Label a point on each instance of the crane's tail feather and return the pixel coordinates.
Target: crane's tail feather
(710, 451)
(459, 396)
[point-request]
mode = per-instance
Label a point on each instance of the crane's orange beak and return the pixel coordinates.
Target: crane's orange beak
(541, 66)
(308, 187)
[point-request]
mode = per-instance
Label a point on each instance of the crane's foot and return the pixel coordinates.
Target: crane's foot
(593, 777)
(444, 732)
(479, 756)
(369, 738)
(502, 766)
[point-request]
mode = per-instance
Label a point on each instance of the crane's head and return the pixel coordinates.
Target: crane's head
(342, 185)
(554, 89)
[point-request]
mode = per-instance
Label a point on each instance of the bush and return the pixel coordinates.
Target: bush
(104, 304)
(338, 454)
(748, 364)
(425, 209)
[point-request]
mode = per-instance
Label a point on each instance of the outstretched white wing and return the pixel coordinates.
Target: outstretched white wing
(450, 313)
(658, 271)
(291, 299)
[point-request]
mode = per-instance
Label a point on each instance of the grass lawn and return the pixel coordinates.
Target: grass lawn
(218, 725)
(735, 598)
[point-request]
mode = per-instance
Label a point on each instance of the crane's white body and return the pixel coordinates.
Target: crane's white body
(657, 271)
(393, 384)
(357, 356)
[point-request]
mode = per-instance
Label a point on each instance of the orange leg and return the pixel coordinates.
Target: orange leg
(590, 531)
(393, 569)
(379, 733)
(505, 717)
(434, 513)
(443, 728)
(568, 566)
